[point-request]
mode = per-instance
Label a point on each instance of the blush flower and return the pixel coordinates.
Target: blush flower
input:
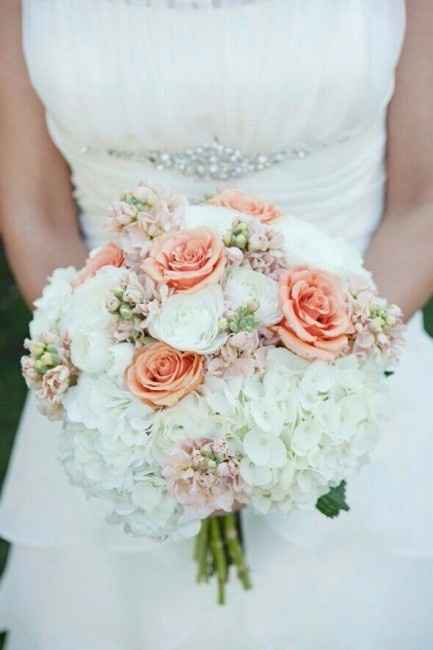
(235, 200)
(161, 376)
(316, 321)
(108, 255)
(145, 214)
(204, 475)
(187, 260)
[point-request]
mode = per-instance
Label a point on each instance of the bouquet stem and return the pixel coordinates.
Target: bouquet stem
(218, 546)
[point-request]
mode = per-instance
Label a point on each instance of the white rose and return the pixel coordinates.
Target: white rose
(50, 307)
(244, 285)
(190, 321)
(87, 321)
(211, 216)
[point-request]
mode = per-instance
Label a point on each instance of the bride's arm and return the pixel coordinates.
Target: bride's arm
(401, 253)
(37, 215)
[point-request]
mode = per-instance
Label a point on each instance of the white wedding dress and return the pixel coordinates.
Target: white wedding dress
(310, 76)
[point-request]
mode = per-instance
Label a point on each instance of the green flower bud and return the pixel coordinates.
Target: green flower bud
(252, 306)
(49, 359)
(118, 292)
(126, 312)
(40, 367)
(227, 239)
(38, 349)
(241, 241)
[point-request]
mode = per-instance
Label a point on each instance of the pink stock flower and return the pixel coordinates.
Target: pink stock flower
(145, 214)
(241, 202)
(316, 321)
(186, 261)
(55, 382)
(108, 255)
(49, 371)
(204, 476)
(378, 326)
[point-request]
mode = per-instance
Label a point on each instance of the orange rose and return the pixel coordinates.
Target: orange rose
(316, 319)
(186, 261)
(108, 255)
(160, 375)
(264, 212)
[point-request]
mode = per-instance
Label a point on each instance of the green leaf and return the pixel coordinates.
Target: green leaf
(333, 502)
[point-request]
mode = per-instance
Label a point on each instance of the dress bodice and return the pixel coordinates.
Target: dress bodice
(314, 76)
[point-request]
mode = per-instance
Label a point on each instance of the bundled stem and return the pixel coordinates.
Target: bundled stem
(219, 545)
(235, 550)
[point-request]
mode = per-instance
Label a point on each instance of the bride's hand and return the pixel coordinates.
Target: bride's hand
(400, 255)
(37, 214)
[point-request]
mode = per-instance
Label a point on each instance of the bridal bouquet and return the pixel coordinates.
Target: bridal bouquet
(212, 357)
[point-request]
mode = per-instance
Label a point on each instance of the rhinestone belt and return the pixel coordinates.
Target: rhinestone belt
(213, 161)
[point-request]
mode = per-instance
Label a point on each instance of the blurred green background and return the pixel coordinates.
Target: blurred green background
(14, 318)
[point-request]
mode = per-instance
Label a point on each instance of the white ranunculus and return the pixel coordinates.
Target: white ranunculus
(50, 307)
(87, 321)
(211, 216)
(90, 351)
(308, 244)
(244, 285)
(190, 321)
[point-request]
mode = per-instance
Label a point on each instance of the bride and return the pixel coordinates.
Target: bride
(88, 88)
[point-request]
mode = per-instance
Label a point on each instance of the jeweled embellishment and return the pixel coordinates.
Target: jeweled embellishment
(213, 161)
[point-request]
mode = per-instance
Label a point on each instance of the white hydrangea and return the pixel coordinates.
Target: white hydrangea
(299, 428)
(98, 402)
(134, 491)
(302, 427)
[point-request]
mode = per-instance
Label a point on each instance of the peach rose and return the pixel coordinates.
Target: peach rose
(160, 375)
(108, 255)
(187, 260)
(264, 212)
(316, 320)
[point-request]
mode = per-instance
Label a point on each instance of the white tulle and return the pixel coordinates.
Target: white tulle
(316, 74)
